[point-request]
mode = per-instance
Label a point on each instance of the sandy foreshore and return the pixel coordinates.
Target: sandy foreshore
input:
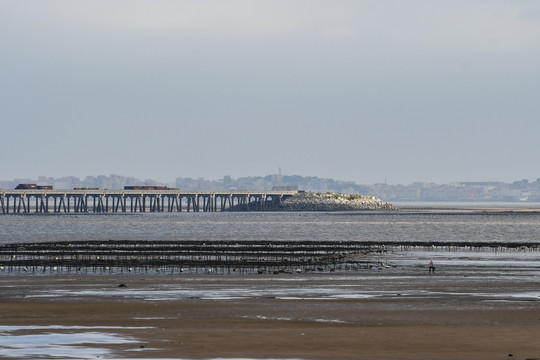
(196, 317)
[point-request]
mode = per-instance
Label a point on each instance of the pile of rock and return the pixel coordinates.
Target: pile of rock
(309, 201)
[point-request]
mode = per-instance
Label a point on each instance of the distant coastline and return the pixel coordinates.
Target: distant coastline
(521, 191)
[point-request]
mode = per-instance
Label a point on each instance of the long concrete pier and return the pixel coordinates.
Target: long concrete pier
(130, 201)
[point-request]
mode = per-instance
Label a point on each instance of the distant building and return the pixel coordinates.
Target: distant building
(285, 188)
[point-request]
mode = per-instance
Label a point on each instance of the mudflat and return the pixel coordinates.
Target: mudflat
(296, 316)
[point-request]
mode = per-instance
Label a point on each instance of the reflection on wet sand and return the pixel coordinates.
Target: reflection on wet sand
(452, 314)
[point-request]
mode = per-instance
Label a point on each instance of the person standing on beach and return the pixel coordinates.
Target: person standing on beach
(431, 267)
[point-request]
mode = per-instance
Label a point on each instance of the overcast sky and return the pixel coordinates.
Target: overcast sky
(434, 91)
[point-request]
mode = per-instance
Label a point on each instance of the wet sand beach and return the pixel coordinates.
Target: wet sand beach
(362, 315)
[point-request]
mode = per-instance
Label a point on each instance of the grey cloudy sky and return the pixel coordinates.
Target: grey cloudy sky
(426, 90)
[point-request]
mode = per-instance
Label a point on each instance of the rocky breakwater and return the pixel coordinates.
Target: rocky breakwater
(309, 201)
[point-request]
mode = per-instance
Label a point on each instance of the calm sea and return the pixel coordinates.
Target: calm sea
(405, 225)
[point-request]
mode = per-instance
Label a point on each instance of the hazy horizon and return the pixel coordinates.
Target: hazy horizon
(172, 181)
(363, 91)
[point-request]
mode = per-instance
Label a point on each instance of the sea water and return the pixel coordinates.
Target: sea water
(422, 226)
